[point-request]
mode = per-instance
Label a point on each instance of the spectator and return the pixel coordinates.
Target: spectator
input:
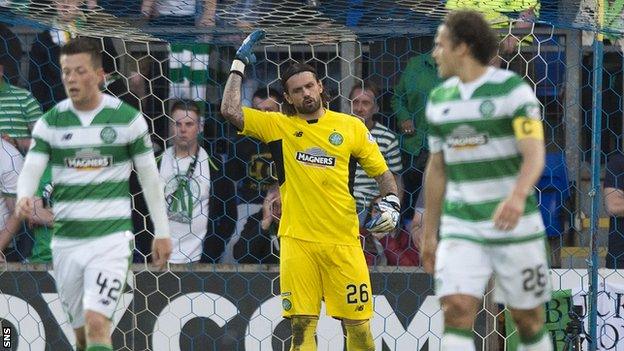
(180, 12)
(185, 170)
(497, 15)
(250, 168)
(18, 112)
(395, 248)
(11, 54)
(11, 162)
(364, 106)
(553, 195)
(44, 73)
(41, 221)
(188, 59)
(130, 10)
(614, 204)
(408, 103)
(258, 241)
(221, 214)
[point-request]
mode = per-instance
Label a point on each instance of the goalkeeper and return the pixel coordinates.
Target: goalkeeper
(315, 151)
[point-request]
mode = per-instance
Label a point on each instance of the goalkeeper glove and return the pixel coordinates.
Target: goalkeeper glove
(244, 54)
(388, 216)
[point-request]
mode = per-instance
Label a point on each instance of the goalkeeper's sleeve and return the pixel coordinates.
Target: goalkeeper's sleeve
(153, 190)
(30, 175)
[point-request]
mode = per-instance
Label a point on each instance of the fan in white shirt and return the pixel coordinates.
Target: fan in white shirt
(185, 171)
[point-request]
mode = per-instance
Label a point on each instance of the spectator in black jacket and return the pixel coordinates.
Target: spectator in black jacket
(44, 73)
(258, 241)
(11, 54)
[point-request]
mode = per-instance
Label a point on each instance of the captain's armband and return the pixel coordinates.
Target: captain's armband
(525, 127)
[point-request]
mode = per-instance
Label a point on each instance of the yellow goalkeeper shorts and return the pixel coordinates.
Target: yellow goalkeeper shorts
(337, 274)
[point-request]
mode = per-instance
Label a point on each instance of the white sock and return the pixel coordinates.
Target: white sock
(453, 341)
(544, 343)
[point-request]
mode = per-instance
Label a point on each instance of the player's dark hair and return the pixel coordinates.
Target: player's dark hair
(82, 45)
(297, 68)
(471, 28)
(266, 92)
(186, 105)
(364, 86)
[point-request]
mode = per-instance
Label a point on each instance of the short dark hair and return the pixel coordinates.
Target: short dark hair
(186, 105)
(83, 45)
(296, 68)
(365, 85)
(471, 28)
(266, 92)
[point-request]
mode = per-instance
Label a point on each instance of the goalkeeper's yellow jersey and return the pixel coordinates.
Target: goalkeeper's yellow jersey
(315, 165)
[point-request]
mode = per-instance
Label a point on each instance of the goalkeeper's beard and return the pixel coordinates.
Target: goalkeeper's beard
(305, 109)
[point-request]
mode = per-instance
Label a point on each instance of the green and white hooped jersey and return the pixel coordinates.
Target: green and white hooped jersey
(91, 155)
(472, 125)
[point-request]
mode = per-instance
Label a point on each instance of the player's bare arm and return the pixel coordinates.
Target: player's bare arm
(231, 108)
(511, 209)
(435, 187)
(400, 185)
(389, 207)
(387, 183)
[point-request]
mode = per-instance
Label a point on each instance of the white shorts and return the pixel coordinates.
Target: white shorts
(521, 272)
(90, 274)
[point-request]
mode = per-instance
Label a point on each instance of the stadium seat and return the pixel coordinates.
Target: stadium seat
(554, 191)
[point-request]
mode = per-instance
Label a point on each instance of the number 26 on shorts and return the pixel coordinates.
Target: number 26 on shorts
(357, 294)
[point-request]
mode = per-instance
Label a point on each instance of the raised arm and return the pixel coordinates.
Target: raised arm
(231, 107)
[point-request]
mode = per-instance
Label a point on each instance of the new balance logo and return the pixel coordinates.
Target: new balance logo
(67, 136)
(359, 308)
(298, 134)
(105, 302)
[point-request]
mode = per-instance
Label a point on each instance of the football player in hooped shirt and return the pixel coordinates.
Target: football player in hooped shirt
(92, 141)
(315, 151)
